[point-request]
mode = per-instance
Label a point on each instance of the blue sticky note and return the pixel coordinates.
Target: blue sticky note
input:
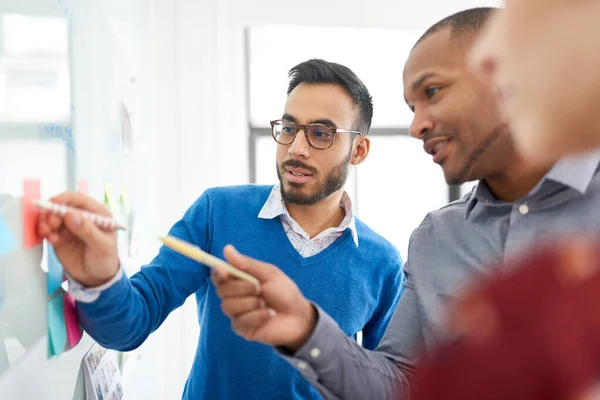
(57, 331)
(50, 348)
(55, 271)
(7, 240)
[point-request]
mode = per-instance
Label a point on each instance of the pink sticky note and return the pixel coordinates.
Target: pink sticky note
(31, 191)
(74, 332)
(82, 187)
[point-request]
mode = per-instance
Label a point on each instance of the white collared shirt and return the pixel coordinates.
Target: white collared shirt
(275, 207)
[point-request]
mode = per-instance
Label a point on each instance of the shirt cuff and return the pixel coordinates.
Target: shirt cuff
(321, 346)
(90, 294)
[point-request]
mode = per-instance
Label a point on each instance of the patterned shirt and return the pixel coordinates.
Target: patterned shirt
(307, 247)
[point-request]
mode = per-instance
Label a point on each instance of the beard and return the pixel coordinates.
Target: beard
(475, 156)
(334, 181)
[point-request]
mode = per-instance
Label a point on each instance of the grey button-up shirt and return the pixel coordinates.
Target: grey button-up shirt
(450, 247)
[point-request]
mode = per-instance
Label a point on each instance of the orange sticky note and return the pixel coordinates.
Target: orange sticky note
(31, 191)
(74, 332)
(82, 187)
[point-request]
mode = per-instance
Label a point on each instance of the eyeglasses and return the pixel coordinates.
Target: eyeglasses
(318, 136)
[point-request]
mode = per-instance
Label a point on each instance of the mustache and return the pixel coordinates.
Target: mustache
(431, 135)
(298, 164)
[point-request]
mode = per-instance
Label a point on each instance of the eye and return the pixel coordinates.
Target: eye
(288, 130)
(431, 91)
(321, 133)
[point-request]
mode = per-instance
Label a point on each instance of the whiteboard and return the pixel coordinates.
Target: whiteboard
(66, 92)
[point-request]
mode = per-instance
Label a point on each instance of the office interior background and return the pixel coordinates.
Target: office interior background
(204, 78)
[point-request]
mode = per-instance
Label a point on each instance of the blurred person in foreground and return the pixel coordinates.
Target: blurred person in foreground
(534, 333)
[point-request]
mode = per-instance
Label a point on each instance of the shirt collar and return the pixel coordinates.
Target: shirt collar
(575, 172)
(275, 207)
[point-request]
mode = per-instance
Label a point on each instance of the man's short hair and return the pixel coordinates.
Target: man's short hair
(317, 71)
(462, 23)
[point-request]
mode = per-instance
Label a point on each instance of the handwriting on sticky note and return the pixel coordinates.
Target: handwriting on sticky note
(57, 332)
(7, 240)
(31, 191)
(55, 271)
(74, 333)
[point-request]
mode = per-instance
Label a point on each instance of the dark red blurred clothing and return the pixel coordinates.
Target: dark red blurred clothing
(533, 333)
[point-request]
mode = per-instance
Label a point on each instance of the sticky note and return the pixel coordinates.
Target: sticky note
(82, 187)
(7, 240)
(74, 333)
(124, 200)
(57, 333)
(55, 271)
(51, 352)
(108, 198)
(31, 191)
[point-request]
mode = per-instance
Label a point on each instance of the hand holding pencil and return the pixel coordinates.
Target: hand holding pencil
(86, 251)
(277, 313)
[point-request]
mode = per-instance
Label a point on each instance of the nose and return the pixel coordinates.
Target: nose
(299, 147)
(420, 124)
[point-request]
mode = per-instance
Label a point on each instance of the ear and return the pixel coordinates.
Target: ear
(361, 145)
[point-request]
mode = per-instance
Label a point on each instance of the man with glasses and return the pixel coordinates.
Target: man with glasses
(304, 223)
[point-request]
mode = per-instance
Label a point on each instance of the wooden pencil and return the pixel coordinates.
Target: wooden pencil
(195, 253)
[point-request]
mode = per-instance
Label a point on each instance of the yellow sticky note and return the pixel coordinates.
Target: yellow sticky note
(123, 199)
(108, 198)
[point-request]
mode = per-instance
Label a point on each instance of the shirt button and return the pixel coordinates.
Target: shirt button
(314, 353)
(523, 209)
(302, 365)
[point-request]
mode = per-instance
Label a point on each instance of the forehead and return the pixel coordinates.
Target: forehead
(439, 53)
(310, 102)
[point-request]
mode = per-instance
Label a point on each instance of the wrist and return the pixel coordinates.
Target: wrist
(96, 280)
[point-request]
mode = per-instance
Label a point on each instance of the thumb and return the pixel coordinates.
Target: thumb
(258, 269)
(86, 231)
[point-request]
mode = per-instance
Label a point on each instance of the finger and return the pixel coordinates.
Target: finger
(233, 307)
(81, 201)
(87, 231)
(53, 238)
(220, 275)
(237, 288)
(54, 221)
(43, 228)
(260, 270)
(246, 324)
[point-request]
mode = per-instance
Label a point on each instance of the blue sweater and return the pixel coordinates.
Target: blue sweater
(358, 287)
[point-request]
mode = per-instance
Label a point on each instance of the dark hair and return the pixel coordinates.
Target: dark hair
(462, 23)
(317, 71)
